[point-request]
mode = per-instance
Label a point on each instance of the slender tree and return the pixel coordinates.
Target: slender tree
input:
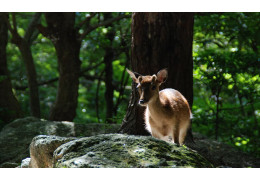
(24, 45)
(108, 59)
(160, 40)
(9, 106)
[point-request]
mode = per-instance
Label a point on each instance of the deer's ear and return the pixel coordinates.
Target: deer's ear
(140, 78)
(162, 75)
(154, 78)
(132, 75)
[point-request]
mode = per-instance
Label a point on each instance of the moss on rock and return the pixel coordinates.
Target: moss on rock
(16, 136)
(118, 150)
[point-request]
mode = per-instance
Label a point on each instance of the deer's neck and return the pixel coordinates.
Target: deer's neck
(155, 106)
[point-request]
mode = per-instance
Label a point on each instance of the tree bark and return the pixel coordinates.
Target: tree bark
(62, 32)
(160, 40)
(9, 106)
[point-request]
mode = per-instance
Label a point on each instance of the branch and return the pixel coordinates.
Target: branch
(13, 31)
(8, 24)
(207, 41)
(92, 78)
(14, 22)
(22, 88)
(87, 20)
(15, 36)
(88, 77)
(32, 26)
(90, 68)
(104, 23)
(218, 44)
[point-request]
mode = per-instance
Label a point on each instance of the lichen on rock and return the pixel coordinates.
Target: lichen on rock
(127, 151)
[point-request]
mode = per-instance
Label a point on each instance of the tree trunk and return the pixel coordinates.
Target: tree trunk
(24, 45)
(109, 93)
(26, 53)
(9, 106)
(160, 40)
(62, 32)
(108, 59)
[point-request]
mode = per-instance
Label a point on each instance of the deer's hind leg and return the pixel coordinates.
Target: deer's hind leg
(182, 136)
(175, 136)
(183, 131)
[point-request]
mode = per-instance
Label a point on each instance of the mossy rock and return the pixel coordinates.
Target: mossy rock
(16, 136)
(125, 151)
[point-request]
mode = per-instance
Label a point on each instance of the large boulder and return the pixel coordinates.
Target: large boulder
(113, 150)
(16, 137)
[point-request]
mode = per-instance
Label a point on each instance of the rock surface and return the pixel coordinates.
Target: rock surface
(16, 137)
(116, 150)
(42, 148)
(25, 163)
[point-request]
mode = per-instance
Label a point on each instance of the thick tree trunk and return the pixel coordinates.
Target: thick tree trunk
(62, 32)
(9, 106)
(160, 40)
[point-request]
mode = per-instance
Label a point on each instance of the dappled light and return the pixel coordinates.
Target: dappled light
(69, 70)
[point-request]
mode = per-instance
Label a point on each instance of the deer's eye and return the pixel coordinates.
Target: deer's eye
(153, 87)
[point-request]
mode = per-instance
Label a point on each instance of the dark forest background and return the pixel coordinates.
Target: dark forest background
(39, 78)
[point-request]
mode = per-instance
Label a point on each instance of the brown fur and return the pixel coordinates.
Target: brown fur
(167, 113)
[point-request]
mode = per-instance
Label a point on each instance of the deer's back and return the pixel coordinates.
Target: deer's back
(174, 102)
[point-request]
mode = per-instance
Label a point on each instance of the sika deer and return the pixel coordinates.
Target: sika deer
(167, 113)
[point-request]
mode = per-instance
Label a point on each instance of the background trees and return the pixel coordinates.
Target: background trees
(24, 41)
(226, 78)
(88, 52)
(9, 106)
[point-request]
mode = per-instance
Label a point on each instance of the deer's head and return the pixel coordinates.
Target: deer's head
(148, 86)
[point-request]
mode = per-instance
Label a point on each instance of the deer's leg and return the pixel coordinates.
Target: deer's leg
(176, 135)
(183, 130)
(182, 136)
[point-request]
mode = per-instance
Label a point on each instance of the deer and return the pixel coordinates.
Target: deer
(167, 113)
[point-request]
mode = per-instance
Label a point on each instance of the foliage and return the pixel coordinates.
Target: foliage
(226, 77)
